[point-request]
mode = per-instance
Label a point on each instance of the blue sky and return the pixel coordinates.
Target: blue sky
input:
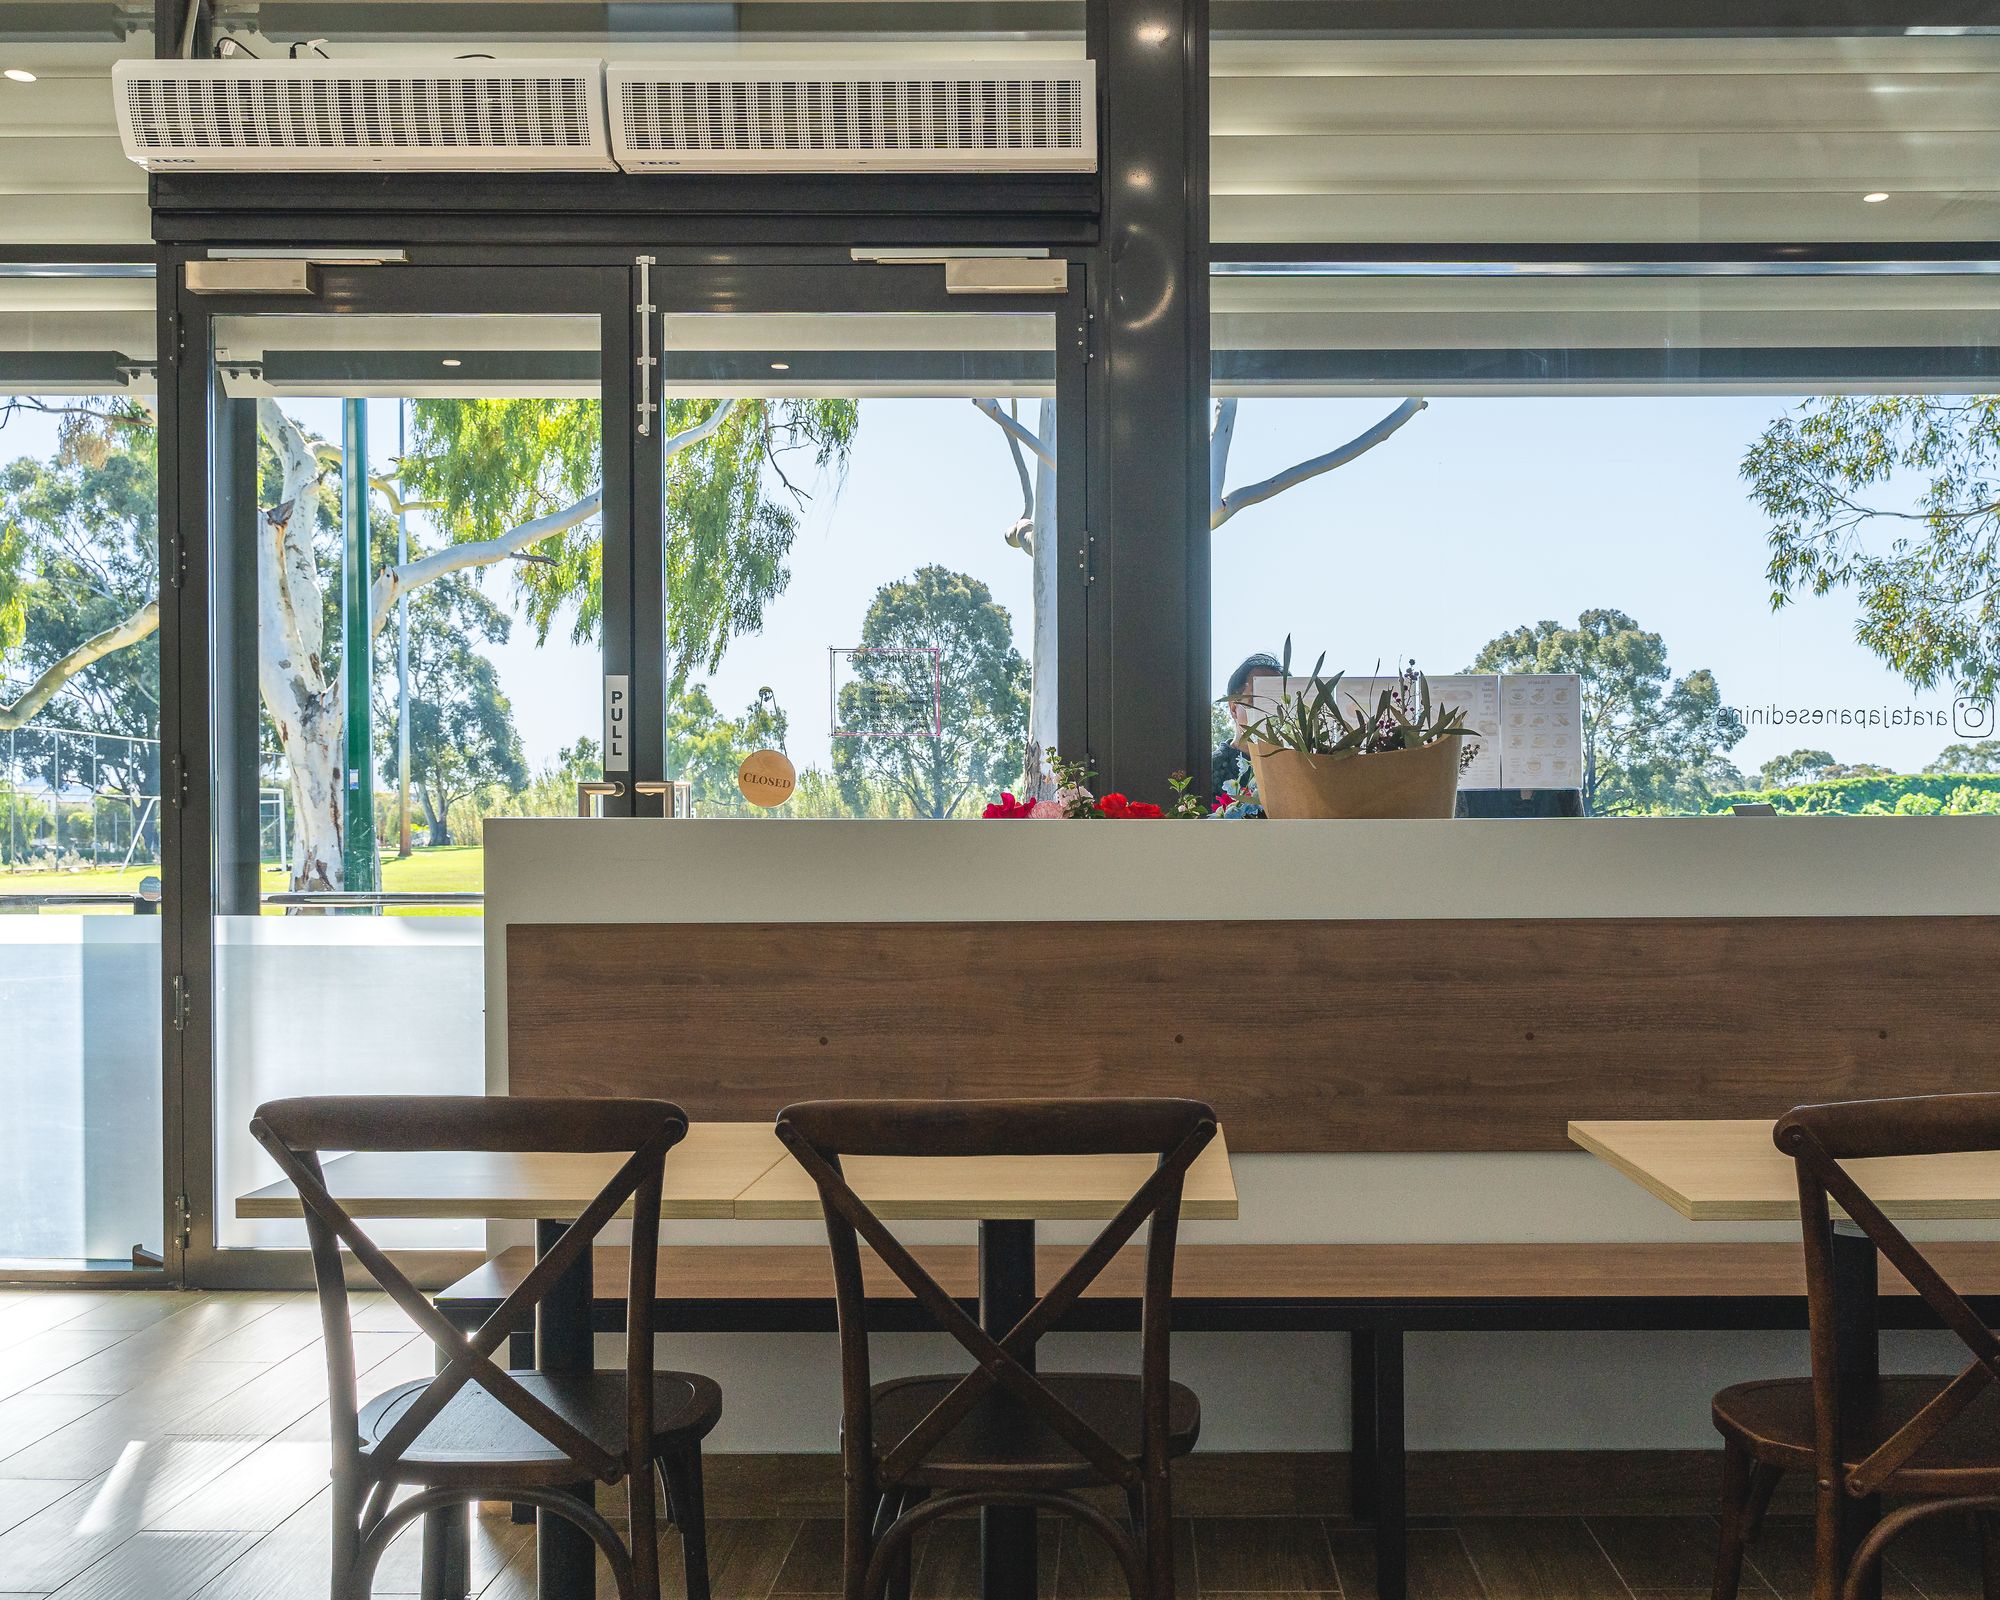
(1481, 515)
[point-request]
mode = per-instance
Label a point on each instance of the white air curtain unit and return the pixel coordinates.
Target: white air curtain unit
(855, 116)
(322, 115)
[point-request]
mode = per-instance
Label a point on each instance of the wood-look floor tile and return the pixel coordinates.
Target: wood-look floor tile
(159, 1566)
(256, 1494)
(39, 1358)
(946, 1566)
(745, 1554)
(1087, 1570)
(1439, 1568)
(27, 1419)
(1665, 1555)
(1539, 1558)
(1783, 1557)
(134, 1309)
(812, 1565)
(22, 1498)
(46, 1550)
(1263, 1555)
(97, 1440)
(41, 1310)
(1940, 1555)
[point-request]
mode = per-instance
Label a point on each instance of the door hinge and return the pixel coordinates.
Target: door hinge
(647, 361)
(173, 563)
(184, 1220)
(177, 1003)
(1086, 557)
(176, 780)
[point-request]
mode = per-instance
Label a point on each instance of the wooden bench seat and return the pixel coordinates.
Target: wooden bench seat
(1239, 1286)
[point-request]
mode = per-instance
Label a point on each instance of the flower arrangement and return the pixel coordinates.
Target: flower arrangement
(1074, 799)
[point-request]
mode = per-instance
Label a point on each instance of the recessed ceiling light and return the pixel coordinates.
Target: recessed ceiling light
(781, 366)
(19, 74)
(451, 361)
(1874, 199)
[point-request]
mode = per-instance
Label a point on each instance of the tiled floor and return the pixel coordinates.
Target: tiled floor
(162, 1446)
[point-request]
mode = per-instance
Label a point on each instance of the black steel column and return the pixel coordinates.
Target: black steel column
(1007, 1554)
(1361, 1394)
(1148, 627)
(233, 621)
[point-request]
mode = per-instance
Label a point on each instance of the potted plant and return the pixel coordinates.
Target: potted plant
(1315, 758)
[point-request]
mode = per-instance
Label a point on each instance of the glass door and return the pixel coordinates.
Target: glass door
(417, 585)
(872, 552)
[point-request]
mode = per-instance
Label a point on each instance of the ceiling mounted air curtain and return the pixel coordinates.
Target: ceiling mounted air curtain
(320, 115)
(854, 116)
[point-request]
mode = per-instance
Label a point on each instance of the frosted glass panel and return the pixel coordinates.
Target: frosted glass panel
(80, 1077)
(340, 1005)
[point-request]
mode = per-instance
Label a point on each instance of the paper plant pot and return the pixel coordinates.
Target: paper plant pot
(1392, 783)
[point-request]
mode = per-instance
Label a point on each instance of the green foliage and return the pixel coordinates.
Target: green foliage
(462, 735)
(488, 466)
(552, 791)
(1897, 498)
(979, 681)
(1981, 757)
(1651, 743)
(706, 748)
(78, 555)
(1814, 766)
(1914, 794)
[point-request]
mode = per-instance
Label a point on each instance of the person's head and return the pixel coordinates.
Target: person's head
(1251, 667)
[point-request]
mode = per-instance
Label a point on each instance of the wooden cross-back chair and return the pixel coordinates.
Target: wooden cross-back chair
(1935, 1440)
(474, 1431)
(916, 1449)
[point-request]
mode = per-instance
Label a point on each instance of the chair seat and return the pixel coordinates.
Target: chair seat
(477, 1440)
(1774, 1418)
(1000, 1438)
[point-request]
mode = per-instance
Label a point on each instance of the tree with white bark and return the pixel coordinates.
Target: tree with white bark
(529, 468)
(1032, 532)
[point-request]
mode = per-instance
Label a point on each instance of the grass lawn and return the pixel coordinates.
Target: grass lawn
(455, 869)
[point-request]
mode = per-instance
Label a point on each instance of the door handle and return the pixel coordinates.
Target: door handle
(589, 793)
(678, 793)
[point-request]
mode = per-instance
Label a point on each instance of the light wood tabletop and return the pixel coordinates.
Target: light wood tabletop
(995, 1188)
(1730, 1171)
(706, 1171)
(738, 1169)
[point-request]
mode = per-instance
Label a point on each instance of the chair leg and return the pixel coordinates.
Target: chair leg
(682, 1473)
(642, 1531)
(1738, 1488)
(1158, 1533)
(1829, 1558)
(1989, 1553)
(1764, 1480)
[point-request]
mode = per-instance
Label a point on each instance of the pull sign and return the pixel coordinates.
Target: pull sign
(617, 722)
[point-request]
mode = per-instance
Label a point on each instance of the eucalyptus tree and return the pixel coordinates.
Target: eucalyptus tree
(1032, 531)
(496, 481)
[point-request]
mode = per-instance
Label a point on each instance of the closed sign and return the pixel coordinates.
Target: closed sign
(767, 778)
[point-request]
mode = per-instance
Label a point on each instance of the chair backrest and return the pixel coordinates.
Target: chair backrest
(295, 1132)
(1819, 1138)
(1174, 1132)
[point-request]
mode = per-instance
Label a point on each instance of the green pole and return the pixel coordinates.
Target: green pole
(360, 863)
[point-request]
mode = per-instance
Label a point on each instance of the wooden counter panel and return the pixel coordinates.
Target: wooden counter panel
(1305, 1036)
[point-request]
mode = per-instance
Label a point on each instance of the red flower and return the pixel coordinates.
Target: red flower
(1114, 805)
(1008, 806)
(1143, 810)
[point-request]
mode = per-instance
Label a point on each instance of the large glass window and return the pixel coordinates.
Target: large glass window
(861, 521)
(1663, 364)
(80, 1149)
(409, 603)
